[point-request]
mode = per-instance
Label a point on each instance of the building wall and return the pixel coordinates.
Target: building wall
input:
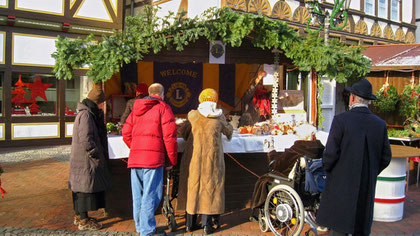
(365, 27)
(36, 108)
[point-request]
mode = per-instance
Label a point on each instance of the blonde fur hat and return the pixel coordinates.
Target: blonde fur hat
(208, 95)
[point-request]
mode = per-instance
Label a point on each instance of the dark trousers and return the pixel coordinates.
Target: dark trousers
(191, 220)
(336, 233)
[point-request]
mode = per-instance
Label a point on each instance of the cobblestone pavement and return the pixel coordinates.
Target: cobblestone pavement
(38, 202)
(13, 155)
(14, 231)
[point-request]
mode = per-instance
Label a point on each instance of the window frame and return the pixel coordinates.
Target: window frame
(385, 12)
(3, 94)
(366, 2)
(33, 73)
(397, 10)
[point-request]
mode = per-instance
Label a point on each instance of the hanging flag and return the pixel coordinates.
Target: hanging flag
(182, 82)
(229, 80)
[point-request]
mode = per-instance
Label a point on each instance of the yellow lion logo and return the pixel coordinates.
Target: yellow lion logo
(178, 94)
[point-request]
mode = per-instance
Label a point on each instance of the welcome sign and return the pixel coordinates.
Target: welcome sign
(182, 82)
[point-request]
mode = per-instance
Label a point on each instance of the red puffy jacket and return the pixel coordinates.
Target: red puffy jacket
(150, 133)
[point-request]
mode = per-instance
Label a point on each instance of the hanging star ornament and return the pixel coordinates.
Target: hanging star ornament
(38, 89)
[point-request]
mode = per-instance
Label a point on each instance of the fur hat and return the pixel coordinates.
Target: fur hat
(142, 88)
(208, 95)
(96, 95)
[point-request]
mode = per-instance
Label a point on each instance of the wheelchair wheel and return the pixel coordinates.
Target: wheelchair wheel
(311, 232)
(284, 211)
(262, 222)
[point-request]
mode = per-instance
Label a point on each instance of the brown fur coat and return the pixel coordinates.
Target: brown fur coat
(186, 134)
(206, 179)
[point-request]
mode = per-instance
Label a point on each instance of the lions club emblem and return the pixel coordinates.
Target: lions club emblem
(178, 94)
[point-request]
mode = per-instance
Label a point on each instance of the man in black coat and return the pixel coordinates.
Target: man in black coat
(357, 151)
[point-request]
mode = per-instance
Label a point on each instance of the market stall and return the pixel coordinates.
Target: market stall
(250, 150)
(186, 57)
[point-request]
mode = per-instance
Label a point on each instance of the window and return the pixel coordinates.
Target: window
(382, 8)
(34, 94)
(395, 10)
(1, 93)
(370, 7)
(72, 96)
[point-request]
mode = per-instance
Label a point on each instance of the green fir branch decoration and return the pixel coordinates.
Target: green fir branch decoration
(335, 60)
(320, 118)
(146, 33)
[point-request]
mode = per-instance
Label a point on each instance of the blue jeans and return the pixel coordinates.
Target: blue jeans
(146, 188)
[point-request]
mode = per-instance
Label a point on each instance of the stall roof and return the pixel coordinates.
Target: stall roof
(394, 57)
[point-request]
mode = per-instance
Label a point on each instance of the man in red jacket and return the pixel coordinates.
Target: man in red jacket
(150, 133)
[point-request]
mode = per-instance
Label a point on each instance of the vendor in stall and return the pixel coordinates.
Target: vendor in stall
(256, 102)
(141, 92)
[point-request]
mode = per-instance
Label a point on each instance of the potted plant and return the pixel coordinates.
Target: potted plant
(409, 106)
(387, 99)
(112, 128)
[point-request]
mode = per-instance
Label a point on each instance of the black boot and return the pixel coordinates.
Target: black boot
(191, 223)
(208, 229)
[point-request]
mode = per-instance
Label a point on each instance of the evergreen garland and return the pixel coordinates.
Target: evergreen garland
(320, 93)
(146, 33)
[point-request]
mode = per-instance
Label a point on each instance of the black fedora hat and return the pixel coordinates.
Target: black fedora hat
(363, 89)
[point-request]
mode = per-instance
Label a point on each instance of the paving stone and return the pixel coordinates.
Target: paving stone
(25, 200)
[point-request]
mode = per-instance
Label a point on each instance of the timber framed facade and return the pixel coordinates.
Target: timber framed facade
(35, 107)
(370, 22)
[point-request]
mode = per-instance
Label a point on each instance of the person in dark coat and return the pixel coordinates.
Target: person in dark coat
(356, 152)
(141, 92)
(89, 175)
(256, 103)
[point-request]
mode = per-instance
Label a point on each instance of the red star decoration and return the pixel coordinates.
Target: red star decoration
(38, 89)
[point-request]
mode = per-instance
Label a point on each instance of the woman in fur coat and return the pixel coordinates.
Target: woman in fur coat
(206, 180)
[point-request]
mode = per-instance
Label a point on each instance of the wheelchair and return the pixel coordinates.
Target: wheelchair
(170, 194)
(288, 206)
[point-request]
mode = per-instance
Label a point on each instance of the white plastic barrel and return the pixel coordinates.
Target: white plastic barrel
(390, 192)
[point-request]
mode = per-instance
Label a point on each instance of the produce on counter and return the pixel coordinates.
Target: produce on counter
(267, 127)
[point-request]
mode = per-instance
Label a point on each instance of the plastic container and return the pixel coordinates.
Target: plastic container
(390, 192)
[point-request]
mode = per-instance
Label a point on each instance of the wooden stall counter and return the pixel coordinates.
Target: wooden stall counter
(247, 149)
